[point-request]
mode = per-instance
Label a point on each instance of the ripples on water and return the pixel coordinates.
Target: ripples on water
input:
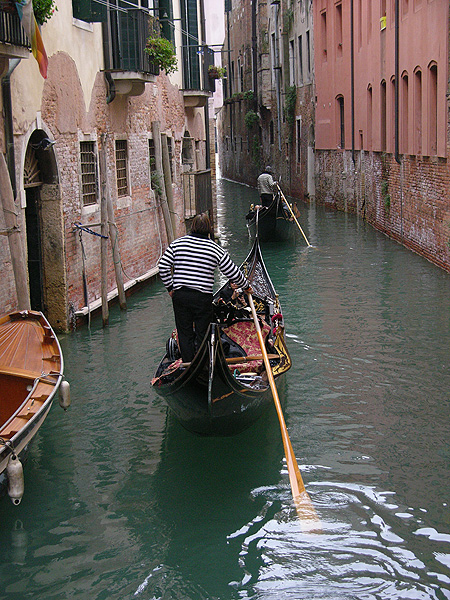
(121, 502)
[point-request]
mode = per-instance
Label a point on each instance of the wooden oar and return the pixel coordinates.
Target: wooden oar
(236, 360)
(305, 509)
(292, 213)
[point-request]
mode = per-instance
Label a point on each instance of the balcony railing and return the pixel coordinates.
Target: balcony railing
(125, 36)
(11, 31)
(196, 60)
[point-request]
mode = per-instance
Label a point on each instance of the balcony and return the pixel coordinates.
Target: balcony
(125, 34)
(197, 85)
(13, 41)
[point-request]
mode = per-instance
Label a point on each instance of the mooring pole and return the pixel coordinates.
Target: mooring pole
(14, 240)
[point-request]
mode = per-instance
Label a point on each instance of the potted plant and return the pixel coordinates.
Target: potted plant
(43, 10)
(162, 53)
(216, 72)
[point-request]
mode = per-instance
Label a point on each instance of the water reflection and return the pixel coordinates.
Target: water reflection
(120, 502)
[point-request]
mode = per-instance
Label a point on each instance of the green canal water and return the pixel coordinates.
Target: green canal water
(122, 503)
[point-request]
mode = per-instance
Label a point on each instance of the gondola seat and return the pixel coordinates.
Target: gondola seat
(244, 333)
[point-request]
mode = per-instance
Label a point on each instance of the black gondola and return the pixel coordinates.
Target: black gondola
(225, 388)
(273, 222)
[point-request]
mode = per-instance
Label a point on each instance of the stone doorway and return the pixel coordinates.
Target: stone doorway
(45, 231)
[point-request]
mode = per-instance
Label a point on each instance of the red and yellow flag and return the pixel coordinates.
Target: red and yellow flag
(26, 14)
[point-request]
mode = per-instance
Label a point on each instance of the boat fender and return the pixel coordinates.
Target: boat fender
(64, 394)
(16, 485)
(19, 543)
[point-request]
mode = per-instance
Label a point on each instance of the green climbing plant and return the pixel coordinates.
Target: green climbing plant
(162, 53)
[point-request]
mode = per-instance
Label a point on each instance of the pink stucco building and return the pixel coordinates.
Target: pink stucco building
(381, 75)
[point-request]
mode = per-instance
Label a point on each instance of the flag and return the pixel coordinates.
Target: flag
(26, 14)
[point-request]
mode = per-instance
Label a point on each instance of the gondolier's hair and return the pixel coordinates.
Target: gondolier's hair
(201, 224)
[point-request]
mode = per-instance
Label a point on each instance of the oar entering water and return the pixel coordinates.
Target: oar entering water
(308, 517)
(293, 216)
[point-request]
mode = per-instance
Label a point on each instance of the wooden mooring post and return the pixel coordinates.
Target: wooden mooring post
(14, 239)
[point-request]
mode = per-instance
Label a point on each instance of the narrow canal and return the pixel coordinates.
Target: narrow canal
(122, 503)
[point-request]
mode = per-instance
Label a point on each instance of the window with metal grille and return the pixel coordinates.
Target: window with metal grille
(170, 148)
(88, 161)
(122, 167)
(154, 177)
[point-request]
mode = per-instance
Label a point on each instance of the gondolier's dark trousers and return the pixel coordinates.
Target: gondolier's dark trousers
(193, 313)
(266, 199)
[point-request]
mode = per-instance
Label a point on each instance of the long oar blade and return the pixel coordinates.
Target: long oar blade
(305, 509)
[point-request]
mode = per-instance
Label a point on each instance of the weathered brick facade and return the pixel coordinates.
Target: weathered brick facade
(76, 108)
(409, 202)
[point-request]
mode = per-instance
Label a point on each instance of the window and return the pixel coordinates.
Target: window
(308, 55)
(89, 182)
(89, 10)
(122, 167)
(418, 112)
(300, 59)
(369, 117)
(433, 109)
(291, 63)
(339, 29)
(152, 164)
(170, 149)
(383, 116)
(404, 113)
(392, 116)
(323, 34)
(299, 139)
(341, 122)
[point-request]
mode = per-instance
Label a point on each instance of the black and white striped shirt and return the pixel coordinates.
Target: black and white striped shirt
(190, 261)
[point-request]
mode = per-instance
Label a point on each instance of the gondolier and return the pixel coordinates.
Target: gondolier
(187, 270)
(266, 186)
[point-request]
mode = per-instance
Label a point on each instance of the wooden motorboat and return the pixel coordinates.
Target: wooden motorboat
(271, 223)
(225, 388)
(31, 372)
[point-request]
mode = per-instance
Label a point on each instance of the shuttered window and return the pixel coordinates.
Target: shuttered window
(89, 10)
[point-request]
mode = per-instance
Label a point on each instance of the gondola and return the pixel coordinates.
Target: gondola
(31, 373)
(271, 223)
(225, 388)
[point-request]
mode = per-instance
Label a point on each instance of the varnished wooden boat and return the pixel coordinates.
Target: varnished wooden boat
(225, 388)
(31, 372)
(273, 223)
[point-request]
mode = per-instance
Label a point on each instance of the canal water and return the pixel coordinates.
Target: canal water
(122, 503)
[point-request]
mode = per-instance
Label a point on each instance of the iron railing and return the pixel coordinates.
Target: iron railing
(125, 36)
(11, 31)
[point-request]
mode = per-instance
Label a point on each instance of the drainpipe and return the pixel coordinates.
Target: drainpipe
(9, 133)
(352, 77)
(254, 53)
(277, 74)
(397, 82)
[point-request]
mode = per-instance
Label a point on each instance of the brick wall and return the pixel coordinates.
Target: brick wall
(408, 202)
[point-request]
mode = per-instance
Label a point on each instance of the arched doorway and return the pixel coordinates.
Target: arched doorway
(32, 184)
(45, 231)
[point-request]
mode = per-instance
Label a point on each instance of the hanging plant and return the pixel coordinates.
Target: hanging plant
(44, 10)
(162, 53)
(216, 72)
(251, 119)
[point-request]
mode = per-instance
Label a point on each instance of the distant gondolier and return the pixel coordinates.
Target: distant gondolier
(187, 270)
(267, 187)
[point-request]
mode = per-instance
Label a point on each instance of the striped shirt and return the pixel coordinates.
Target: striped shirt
(190, 261)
